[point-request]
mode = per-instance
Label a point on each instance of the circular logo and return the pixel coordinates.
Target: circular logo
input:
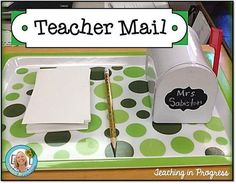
(21, 160)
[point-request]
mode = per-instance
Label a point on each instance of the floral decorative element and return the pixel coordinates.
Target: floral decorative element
(30, 153)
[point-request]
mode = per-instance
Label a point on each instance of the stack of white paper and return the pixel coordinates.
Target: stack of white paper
(60, 100)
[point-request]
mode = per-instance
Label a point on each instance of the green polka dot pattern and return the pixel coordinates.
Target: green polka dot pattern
(139, 86)
(12, 96)
(120, 116)
(137, 136)
(136, 130)
(202, 136)
(101, 106)
(3, 127)
(143, 114)
(87, 146)
(147, 101)
(94, 124)
(128, 103)
(61, 154)
(134, 72)
(118, 78)
(38, 148)
(214, 151)
(19, 130)
(14, 110)
(21, 70)
(107, 133)
(167, 128)
(91, 83)
(57, 138)
(152, 147)
(151, 72)
(182, 145)
(97, 73)
(123, 149)
(6, 146)
(29, 92)
(215, 124)
(30, 78)
(17, 86)
(117, 67)
(100, 90)
(221, 141)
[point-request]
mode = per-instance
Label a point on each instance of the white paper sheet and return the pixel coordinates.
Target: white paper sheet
(54, 127)
(60, 96)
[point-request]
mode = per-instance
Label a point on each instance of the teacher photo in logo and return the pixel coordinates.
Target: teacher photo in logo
(21, 160)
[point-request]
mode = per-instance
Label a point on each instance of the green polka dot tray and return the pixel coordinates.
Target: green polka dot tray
(141, 143)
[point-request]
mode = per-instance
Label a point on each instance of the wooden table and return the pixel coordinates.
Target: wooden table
(117, 174)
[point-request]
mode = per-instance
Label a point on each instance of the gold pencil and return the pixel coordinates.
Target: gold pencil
(112, 126)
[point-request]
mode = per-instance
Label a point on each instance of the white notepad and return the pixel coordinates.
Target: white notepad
(54, 127)
(60, 96)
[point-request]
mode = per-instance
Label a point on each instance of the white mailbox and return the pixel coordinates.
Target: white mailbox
(182, 83)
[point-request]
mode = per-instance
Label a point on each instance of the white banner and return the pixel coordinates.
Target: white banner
(99, 28)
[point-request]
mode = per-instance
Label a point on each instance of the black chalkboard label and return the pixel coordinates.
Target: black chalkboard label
(186, 98)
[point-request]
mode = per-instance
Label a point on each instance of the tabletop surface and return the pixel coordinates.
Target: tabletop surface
(163, 173)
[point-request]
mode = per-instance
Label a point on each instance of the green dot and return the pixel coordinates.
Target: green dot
(94, 124)
(29, 92)
(14, 110)
(134, 72)
(142, 114)
(117, 67)
(57, 138)
(215, 124)
(221, 140)
(123, 149)
(152, 147)
(97, 73)
(136, 130)
(139, 86)
(19, 130)
(61, 154)
(147, 101)
(24, 27)
(38, 148)
(118, 78)
(174, 28)
(107, 133)
(91, 83)
(17, 86)
(30, 78)
(87, 146)
(150, 72)
(128, 103)
(182, 145)
(12, 96)
(100, 90)
(214, 151)
(3, 127)
(202, 136)
(101, 106)
(167, 128)
(6, 146)
(22, 70)
(120, 116)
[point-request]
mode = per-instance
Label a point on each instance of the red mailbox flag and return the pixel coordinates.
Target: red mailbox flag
(215, 42)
